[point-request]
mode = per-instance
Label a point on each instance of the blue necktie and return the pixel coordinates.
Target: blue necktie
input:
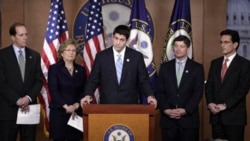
(21, 63)
(118, 66)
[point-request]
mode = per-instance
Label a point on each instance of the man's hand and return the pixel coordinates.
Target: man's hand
(175, 113)
(25, 109)
(213, 108)
(152, 100)
(172, 113)
(69, 108)
(221, 107)
(180, 111)
(86, 100)
(23, 102)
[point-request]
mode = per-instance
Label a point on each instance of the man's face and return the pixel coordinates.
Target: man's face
(119, 42)
(180, 50)
(227, 46)
(21, 37)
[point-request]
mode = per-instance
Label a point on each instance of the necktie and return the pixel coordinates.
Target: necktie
(21, 63)
(224, 69)
(119, 67)
(179, 72)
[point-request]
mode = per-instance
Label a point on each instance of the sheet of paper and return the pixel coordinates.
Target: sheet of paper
(76, 122)
(32, 117)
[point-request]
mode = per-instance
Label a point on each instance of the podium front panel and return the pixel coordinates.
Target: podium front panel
(125, 127)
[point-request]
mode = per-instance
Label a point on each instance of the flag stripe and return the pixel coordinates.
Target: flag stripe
(57, 32)
(94, 42)
(97, 44)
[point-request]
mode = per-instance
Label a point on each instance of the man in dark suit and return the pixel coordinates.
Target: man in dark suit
(226, 89)
(134, 77)
(179, 90)
(20, 84)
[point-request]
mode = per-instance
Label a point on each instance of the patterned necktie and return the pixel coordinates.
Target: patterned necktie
(119, 67)
(21, 63)
(179, 72)
(224, 69)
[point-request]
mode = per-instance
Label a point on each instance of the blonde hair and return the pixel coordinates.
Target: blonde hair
(64, 45)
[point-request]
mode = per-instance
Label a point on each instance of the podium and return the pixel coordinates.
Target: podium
(105, 122)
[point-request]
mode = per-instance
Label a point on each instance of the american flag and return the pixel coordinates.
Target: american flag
(56, 32)
(94, 42)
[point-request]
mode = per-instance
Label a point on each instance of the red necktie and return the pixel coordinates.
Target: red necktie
(224, 69)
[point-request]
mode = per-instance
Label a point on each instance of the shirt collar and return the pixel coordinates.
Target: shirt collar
(182, 61)
(16, 49)
(122, 53)
(230, 58)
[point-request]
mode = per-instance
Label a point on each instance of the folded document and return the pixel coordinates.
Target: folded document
(76, 122)
(31, 117)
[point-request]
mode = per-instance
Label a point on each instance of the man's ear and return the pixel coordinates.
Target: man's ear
(236, 44)
(12, 38)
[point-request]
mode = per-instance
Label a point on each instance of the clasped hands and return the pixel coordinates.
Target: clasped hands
(71, 109)
(23, 103)
(175, 113)
(216, 108)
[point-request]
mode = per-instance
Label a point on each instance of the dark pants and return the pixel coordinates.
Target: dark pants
(9, 131)
(180, 134)
(231, 133)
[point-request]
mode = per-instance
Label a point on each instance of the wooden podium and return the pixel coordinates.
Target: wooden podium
(103, 122)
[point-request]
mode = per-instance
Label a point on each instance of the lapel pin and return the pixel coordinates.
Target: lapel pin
(187, 71)
(30, 57)
(76, 71)
(127, 60)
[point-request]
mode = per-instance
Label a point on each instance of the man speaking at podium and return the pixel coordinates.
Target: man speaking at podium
(120, 72)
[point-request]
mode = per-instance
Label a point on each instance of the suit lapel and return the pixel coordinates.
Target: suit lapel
(172, 70)
(218, 70)
(233, 66)
(63, 69)
(13, 58)
(126, 62)
(28, 59)
(110, 63)
(186, 72)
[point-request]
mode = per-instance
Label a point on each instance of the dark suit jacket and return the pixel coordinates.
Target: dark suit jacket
(187, 95)
(134, 78)
(232, 91)
(12, 86)
(64, 89)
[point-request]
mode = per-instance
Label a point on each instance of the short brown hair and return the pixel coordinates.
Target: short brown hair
(12, 30)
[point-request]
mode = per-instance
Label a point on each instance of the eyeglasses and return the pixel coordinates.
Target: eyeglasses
(70, 50)
(225, 42)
